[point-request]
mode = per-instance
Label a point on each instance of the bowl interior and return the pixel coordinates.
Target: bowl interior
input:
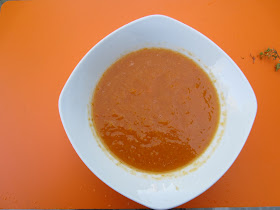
(239, 110)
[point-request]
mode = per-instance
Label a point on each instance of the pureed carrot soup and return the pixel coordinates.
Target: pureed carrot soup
(155, 110)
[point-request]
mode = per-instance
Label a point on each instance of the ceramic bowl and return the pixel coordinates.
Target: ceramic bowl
(161, 191)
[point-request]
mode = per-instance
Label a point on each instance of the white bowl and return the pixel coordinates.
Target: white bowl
(237, 98)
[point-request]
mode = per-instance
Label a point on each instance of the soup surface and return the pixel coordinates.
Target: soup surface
(155, 110)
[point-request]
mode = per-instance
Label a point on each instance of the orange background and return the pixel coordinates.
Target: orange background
(41, 42)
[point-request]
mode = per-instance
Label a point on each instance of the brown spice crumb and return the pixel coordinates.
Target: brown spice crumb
(253, 57)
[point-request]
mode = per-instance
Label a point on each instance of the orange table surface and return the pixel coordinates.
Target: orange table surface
(41, 42)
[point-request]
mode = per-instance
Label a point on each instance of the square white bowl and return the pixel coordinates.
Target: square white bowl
(239, 107)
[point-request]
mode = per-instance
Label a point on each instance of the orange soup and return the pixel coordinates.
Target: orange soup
(155, 110)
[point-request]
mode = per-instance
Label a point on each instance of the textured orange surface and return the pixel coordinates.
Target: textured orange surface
(155, 110)
(41, 42)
